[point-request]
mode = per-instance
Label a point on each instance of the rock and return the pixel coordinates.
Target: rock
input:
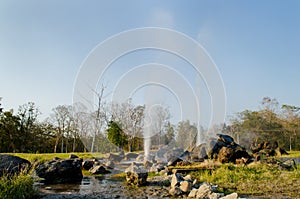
(72, 156)
(226, 139)
(215, 195)
(10, 164)
(193, 193)
(175, 191)
(60, 171)
(173, 161)
(204, 191)
(225, 155)
(288, 164)
(99, 170)
(188, 178)
(147, 164)
(136, 176)
(185, 186)
(231, 196)
(87, 164)
(279, 151)
(176, 179)
(171, 153)
(199, 153)
(131, 155)
(140, 158)
(110, 164)
(115, 157)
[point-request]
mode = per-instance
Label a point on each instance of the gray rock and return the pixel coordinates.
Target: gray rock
(185, 186)
(99, 170)
(174, 160)
(131, 155)
(140, 158)
(10, 164)
(230, 196)
(115, 157)
(204, 191)
(60, 171)
(110, 164)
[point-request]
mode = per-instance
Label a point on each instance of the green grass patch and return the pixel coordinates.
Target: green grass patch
(292, 154)
(258, 179)
(17, 187)
(42, 157)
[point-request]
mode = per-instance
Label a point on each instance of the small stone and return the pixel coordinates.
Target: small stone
(193, 193)
(176, 179)
(185, 186)
(175, 191)
(215, 195)
(187, 178)
(231, 196)
(110, 164)
(72, 156)
(204, 190)
(99, 170)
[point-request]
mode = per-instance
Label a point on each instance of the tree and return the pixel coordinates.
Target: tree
(186, 134)
(291, 122)
(62, 120)
(116, 135)
(28, 114)
(130, 117)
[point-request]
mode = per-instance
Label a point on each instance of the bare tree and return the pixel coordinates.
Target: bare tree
(62, 120)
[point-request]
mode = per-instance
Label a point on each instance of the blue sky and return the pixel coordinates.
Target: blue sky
(255, 45)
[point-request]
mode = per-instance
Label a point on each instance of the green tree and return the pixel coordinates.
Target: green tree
(116, 135)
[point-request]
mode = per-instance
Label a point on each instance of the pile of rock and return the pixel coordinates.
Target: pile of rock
(97, 166)
(267, 149)
(224, 149)
(185, 186)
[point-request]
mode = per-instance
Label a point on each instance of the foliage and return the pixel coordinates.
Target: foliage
(270, 123)
(17, 187)
(116, 135)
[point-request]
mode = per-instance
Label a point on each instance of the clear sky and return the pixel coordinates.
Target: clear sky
(255, 44)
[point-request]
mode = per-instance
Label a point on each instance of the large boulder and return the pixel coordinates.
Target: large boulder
(199, 152)
(60, 171)
(10, 164)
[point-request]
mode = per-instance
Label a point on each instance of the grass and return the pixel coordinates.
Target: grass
(42, 157)
(256, 180)
(292, 154)
(17, 187)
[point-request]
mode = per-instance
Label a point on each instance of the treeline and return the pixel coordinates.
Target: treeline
(114, 126)
(273, 122)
